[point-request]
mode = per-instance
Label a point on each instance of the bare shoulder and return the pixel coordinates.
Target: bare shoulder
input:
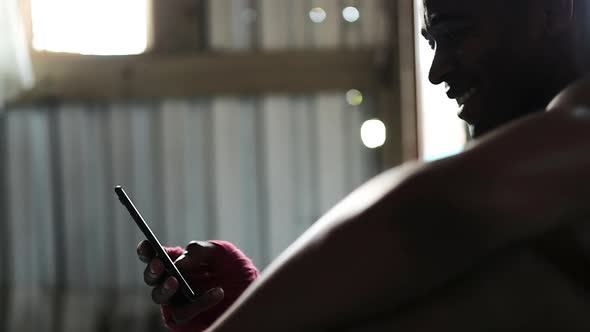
(575, 95)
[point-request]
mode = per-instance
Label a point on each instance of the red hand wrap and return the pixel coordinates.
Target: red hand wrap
(230, 269)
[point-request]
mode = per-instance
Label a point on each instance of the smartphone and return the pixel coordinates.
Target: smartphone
(186, 290)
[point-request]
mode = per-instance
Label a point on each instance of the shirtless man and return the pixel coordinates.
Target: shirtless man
(487, 239)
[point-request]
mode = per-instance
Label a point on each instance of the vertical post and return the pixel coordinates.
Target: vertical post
(5, 230)
(27, 20)
(178, 26)
(407, 79)
(397, 91)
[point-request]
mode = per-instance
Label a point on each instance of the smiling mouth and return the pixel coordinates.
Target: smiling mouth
(463, 99)
(467, 114)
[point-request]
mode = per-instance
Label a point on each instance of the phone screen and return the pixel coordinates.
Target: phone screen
(186, 289)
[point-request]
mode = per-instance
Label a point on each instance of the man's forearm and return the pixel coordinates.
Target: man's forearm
(396, 238)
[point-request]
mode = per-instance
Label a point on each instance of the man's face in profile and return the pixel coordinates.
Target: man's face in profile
(489, 53)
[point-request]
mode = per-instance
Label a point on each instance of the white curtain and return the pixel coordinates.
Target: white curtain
(16, 72)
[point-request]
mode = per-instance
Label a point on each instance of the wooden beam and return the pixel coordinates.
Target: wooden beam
(293, 72)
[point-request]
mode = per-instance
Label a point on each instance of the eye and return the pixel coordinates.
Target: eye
(448, 35)
(453, 37)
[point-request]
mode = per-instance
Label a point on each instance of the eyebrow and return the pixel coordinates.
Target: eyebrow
(441, 18)
(438, 18)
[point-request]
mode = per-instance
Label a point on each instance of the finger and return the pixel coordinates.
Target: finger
(154, 272)
(201, 248)
(162, 294)
(145, 251)
(197, 254)
(190, 264)
(185, 313)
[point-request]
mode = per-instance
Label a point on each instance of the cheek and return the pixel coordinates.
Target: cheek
(514, 54)
(478, 59)
(483, 52)
(500, 64)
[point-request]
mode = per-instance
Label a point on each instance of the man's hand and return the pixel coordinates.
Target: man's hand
(216, 269)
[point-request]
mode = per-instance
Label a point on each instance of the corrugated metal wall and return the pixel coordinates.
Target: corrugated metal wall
(256, 171)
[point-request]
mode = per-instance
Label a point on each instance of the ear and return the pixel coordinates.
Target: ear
(559, 15)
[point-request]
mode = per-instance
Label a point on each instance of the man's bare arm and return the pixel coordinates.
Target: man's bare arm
(412, 230)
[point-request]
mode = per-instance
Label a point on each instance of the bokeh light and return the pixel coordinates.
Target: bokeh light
(317, 15)
(351, 14)
(354, 97)
(373, 133)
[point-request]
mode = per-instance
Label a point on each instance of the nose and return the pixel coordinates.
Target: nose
(442, 65)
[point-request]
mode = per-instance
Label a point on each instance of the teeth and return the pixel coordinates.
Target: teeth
(464, 98)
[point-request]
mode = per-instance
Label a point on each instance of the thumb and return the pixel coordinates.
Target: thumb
(184, 314)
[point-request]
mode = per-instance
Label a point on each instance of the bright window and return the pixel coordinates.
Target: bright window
(106, 27)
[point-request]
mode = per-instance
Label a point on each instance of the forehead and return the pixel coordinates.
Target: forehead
(438, 11)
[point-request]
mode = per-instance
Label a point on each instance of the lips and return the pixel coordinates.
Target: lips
(469, 110)
(464, 98)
